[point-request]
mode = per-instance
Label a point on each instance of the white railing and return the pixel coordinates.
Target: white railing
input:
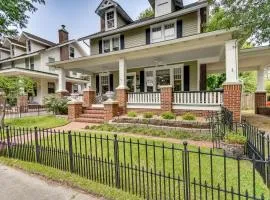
(198, 98)
(144, 98)
(75, 97)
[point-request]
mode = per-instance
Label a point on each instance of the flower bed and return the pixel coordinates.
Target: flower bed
(162, 122)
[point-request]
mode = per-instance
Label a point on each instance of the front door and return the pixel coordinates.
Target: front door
(131, 81)
(104, 83)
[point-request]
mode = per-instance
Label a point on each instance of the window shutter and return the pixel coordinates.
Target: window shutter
(97, 84)
(203, 77)
(179, 28)
(147, 35)
(122, 42)
(100, 47)
(186, 78)
(111, 82)
(141, 81)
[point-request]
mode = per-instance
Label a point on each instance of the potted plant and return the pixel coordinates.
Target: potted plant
(234, 144)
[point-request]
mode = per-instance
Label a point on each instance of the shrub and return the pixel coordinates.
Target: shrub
(234, 138)
(56, 104)
(132, 114)
(148, 115)
(189, 117)
(168, 115)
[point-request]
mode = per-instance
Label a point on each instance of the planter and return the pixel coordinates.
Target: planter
(234, 150)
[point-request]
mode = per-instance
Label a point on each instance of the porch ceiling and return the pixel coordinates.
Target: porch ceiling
(202, 46)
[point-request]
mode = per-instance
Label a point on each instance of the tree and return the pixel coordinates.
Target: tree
(215, 81)
(13, 14)
(146, 13)
(250, 16)
(11, 88)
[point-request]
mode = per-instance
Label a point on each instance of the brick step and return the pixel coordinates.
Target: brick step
(93, 115)
(94, 111)
(90, 120)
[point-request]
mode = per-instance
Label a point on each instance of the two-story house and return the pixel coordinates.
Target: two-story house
(161, 63)
(28, 55)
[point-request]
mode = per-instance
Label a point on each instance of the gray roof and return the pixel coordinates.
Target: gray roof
(49, 43)
(178, 3)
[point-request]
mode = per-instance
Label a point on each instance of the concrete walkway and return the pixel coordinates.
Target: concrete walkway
(16, 185)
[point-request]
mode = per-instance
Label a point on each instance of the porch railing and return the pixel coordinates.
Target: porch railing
(198, 98)
(144, 98)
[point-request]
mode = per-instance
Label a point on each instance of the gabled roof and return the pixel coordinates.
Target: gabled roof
(39, 39)
(178, 3)
(4, 48)
(105, 4)
(16, 42)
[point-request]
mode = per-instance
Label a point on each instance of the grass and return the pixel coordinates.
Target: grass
(164, 160)
(178, 134)
(49, 121)
(69, 179)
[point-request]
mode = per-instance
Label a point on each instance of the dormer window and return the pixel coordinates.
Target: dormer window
(29, 48)
(110, 19)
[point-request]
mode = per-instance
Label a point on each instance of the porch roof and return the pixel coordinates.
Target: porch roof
(196, 47)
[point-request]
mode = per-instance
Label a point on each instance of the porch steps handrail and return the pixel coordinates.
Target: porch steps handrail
(144, 98)
(198, 98)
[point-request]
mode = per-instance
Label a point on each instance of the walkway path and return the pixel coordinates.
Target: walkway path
(260, 121)
(16, 185)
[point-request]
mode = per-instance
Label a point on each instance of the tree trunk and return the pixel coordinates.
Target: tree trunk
(2, 122)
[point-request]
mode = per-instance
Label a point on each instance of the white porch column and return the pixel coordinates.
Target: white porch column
(62, 80)
(231, 47)
(122, 74)
(260, 80)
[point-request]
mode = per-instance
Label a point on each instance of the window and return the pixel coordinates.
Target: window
(162, 78)
(169, 31)
(27, 63)
(32, 63)
(71, 52)
(104, 83)
(115, 43)
(166, 31)
(75, 88)
(29, 48)
(107, 46)
(51, 88)
(51, 60)
(110, 21)
(111, 44)
(177, 73)
(149, 81)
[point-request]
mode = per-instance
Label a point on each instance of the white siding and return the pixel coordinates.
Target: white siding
(190, 24)
(19, 51)
(54, 53)
(135, 38)
(120, 21)
(4, 55)
(36, 46)
(94, 47)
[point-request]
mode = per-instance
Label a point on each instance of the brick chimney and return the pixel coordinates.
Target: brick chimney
(63, 34)
(63, 37)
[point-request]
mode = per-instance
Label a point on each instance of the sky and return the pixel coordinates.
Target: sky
(78, 15)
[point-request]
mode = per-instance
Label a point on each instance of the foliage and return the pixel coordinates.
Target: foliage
(12, 87)
(37, 121)
(234, 138)
(215, 81)
(132, 114)
(267, 86)
(189, 117)
(14, 14)
(56, 104)
(250, 16)
(249, 79)
(148, 115)
(168, 115)
(147, 13)
(178, 134)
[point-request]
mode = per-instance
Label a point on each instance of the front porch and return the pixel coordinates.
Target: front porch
(171, 75)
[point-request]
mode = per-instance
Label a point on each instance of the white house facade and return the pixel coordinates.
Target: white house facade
(29, 55)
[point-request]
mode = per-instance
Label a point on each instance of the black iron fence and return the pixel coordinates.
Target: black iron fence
(151, 170)
(23, 111)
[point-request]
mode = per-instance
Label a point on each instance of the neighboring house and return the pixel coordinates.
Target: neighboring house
(163, 61)
(29, 55)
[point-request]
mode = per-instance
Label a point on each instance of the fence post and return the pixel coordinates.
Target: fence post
(186, 170)
(116, 162)
(71, 162)
(38, 110)
(20, 112)
(37, 146)
(8, 142)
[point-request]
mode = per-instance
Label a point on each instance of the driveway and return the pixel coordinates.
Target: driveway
(16, 185)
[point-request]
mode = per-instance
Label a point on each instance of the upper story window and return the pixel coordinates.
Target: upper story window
(111, 44)
(51, 60)
(164, 31)
(110, 19)
(71, 52)
(30, 63)
(29, 47)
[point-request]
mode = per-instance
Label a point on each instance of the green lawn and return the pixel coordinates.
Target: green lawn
(135, 155)
(49, 121)
(69, 179)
